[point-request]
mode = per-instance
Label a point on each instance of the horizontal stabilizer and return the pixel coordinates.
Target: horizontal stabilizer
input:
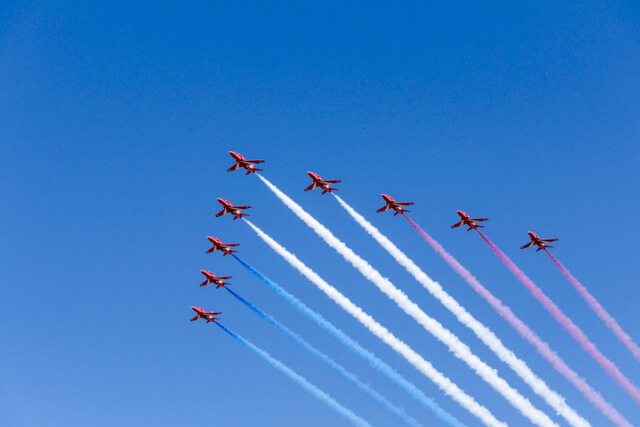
(329, 190)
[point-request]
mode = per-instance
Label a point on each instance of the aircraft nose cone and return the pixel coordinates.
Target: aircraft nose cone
(460, 213)
(204, 272)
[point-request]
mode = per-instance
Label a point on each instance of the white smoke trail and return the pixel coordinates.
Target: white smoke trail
(556, 401)
(457, 347)
(444, 383)
(354, 346)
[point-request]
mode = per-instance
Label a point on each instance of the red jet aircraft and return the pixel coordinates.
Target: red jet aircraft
(392, 204)
(319, 182)
(535, 240)
(219, 246)
(471, 222)
(228, 208)
(241, 162)
(201, 314)
(212, 278)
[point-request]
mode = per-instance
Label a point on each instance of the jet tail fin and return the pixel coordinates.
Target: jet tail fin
(329, 190)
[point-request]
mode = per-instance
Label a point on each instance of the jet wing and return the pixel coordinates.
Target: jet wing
(331, 181)
(234, 167)
(528, 245)
(255, 162)
(404, 204)
(548, 240)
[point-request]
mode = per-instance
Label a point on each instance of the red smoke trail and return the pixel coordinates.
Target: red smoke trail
(542, 347)
(600, 311)
(566, 323)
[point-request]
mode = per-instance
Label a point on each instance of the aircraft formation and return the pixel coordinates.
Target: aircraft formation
(399, 208)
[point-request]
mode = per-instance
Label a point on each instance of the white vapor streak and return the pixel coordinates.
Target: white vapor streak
(556, 401)
(444, 383)
(457, 347)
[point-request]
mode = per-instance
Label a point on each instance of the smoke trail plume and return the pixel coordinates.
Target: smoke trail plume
(383, 401)
(541, 347)
(487, 336)
(457, 347)
(600, 311)
(315, 391)
(403, 349)
(567, 324)
(351, 344)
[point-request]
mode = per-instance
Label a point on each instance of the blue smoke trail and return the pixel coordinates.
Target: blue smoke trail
(354, 346)
(330, 362)
(319, 394)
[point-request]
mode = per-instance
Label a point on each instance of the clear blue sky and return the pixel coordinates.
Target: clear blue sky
(115, 126)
